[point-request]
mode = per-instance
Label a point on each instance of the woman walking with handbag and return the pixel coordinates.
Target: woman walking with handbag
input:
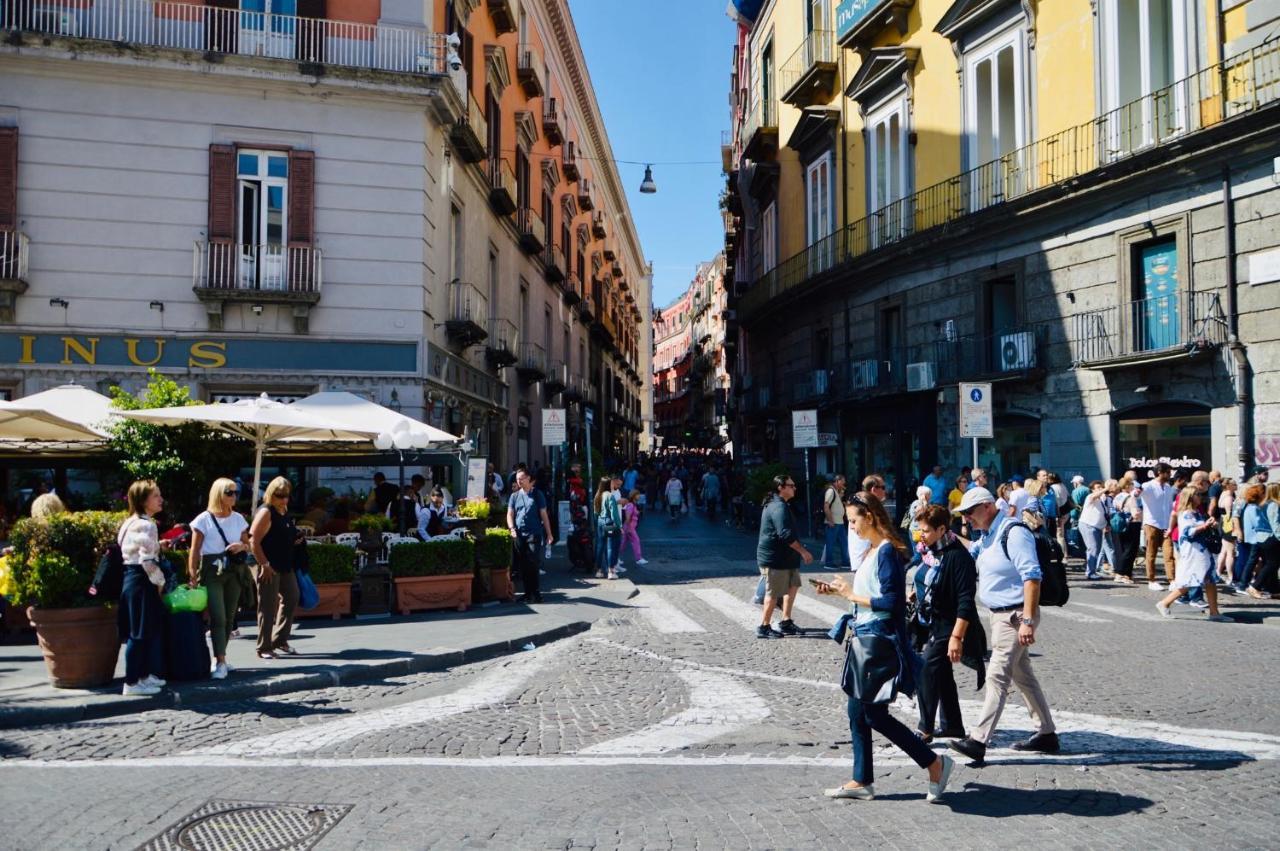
(273, 536)
(608, 529)
(879, 611)
(1195, 560)
(141, 612)
(219, 542)
(1126, 527)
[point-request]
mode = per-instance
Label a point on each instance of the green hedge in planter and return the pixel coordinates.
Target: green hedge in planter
(332, 563)
(371, 523)
(493, 551)
(433, 558)
(474, 509)
(53, 561)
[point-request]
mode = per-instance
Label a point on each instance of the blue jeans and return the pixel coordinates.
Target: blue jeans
(606, 548)
(1244, 553)
(1093, 541)
(865, 717)
(837, 554)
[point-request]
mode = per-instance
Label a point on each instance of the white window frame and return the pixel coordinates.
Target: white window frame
(1008, 179)
(769, 238)
(1121, 139)
(263, 265)
(896, 222)
(819, 195)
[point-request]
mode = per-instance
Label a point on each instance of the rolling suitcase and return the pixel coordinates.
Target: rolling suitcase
(186, 651)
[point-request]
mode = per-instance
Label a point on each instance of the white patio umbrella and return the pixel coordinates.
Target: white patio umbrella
(355, 412)
(261, 421)
(69, 413)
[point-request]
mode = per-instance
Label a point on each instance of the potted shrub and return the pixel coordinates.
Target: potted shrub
(433, 575)
(333, 569)
(493, 563)
(371, 526)
(474, 514)
(53, 563)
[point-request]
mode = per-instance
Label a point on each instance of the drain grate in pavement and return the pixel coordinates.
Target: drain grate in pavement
(250, 826)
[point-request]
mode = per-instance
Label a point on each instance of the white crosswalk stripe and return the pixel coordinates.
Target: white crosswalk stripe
(1057, 612)
(739, 611)
(825, 612)
(662, 615)
(1122, 612)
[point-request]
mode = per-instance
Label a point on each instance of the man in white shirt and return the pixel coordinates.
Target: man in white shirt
(1157, 506)
(1019, 499)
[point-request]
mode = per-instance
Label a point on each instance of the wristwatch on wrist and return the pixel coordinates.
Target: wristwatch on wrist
(1031, 622)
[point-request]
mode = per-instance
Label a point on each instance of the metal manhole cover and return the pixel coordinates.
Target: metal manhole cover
(250, 826)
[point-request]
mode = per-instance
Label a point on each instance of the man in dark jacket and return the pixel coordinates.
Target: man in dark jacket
(779, 553)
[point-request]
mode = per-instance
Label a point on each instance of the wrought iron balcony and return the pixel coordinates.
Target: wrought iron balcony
(610, 251)
(470, 133)
(808, 78)
(574, 390)
(266, 272)
(531, 229)
(197, 27)
(551, 123)
(811, 386)
(585, 201)
(502, 186)
(569, 162)
(468, 313)
(598, 229)
(557, 377)
(760, 130)
(504, 20)
(529, 71)
(1010, 355)
(501, 347)
(572, 289)
(553, 265)
(1160, 328)
(14, 249)
(532, 365)
(1088, 153)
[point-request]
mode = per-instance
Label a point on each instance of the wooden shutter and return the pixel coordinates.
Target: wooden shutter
(222, 216)
(303, 262)
(309, 44)
(8, 178)
(222, 26)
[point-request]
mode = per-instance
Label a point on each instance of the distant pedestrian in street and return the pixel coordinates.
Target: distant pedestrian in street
(1195, 562)
(948, 610)
(1157, 506)
(1127, 506)
(530, 529)
(219, 542)
(937, 485)
(878, 595)
(608, 529)
(711, 493)
(673, 494)
(1267, 545)
(779, 553)
(141, 614)
(273, 537)
(1093, 522)
(1009, 585)
(630, 524)
(836, 551)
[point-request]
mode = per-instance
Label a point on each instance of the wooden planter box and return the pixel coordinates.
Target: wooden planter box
(416, 593)
(335, 601)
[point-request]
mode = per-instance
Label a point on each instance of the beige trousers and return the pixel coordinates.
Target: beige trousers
(1010, 665)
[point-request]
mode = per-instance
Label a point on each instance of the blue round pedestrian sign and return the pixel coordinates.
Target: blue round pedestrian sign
(975, 394)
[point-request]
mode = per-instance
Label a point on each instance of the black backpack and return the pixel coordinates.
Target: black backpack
(1053, 568)
(108, 580)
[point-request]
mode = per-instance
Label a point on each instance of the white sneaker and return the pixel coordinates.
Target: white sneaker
(936, 790)
(154, 680)
(613, 574)
(1157, 586)
(141, 687)
(642, 561)
(219, 671)
(599, 574)
(1164, 610)
(857, 793)
(617, 568)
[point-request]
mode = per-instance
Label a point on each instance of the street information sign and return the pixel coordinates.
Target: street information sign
(553, 426)
(804, 429)
(477, 469)
(975, 411)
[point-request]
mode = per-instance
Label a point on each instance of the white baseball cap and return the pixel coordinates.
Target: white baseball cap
(1077, 479)
(973, 497)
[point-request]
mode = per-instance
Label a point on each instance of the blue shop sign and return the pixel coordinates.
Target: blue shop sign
(850, 13)
(207, 353)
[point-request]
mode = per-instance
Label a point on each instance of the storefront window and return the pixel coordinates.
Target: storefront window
(1183, 442)
(1017, 440)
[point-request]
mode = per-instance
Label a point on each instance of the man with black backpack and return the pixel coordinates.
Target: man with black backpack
(1010, 571)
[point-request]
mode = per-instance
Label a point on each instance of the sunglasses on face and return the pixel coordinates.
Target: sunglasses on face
(231, 492)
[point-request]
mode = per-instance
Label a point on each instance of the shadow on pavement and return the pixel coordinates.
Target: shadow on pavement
(980, 799)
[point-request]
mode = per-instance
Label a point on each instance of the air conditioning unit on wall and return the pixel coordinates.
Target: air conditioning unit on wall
(1018, 351)
(921, 376)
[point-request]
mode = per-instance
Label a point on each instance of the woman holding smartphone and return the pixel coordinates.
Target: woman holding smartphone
(878, 595)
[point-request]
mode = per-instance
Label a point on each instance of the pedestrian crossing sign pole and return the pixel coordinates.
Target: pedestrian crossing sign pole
(804, 435)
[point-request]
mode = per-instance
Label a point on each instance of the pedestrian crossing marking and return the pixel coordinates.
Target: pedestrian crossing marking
(662, 615)
(1068, 615)
(824, 612)
(1123, 612)
(742, 613)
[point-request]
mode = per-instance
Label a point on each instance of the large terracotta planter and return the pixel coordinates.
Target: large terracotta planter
(335, 601)
(500, 584)
(415, 593)
(80, 646)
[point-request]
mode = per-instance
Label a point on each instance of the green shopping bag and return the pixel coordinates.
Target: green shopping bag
(184, 599)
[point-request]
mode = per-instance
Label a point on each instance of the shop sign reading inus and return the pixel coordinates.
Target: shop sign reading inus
(207, 354)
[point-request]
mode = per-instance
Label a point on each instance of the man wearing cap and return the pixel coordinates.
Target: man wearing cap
(1008, 585)
(978, 478)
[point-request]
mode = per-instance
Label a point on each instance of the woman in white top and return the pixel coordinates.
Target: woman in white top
(219, 541)
(1226, 502)
(1128, 504)
(141, 613)
(674, 495)
(1195, 562)
(1093, 520)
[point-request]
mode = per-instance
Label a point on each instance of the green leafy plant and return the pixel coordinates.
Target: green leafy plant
(78, 539)
(475, 509)
(493, 550)
(371, 523)
(183, 459)
(433, 558)
(52, 580)
(760, 481)
(332, 563)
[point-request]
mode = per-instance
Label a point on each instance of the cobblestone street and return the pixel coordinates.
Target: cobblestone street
(668, 725)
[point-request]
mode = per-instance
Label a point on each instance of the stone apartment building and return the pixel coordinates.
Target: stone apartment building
(1075, 202)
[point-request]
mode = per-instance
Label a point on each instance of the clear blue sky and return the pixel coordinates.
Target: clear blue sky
(661, 74)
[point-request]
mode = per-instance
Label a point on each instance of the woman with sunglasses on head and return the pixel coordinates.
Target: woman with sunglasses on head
(274, 536)
(879, 599)
(141, 612)
(219, 542)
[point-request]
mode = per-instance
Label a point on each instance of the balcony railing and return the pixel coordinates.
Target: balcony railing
(194, 27)
(529, 71)
(760, 129)
(557, 376)
(598, 229)
(468, 314)
(808, 77)
(1195, 103)
(14, 248)
(1148, 328)
(572, 289)
(470, 133)
(551, 123)
(501, 347)
(531, 229)
(569, 162)
(585, 201)
(502, 186)
(259, 268)
(1012, 354)
(810, 386)
(553, 267)
(532, 365)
